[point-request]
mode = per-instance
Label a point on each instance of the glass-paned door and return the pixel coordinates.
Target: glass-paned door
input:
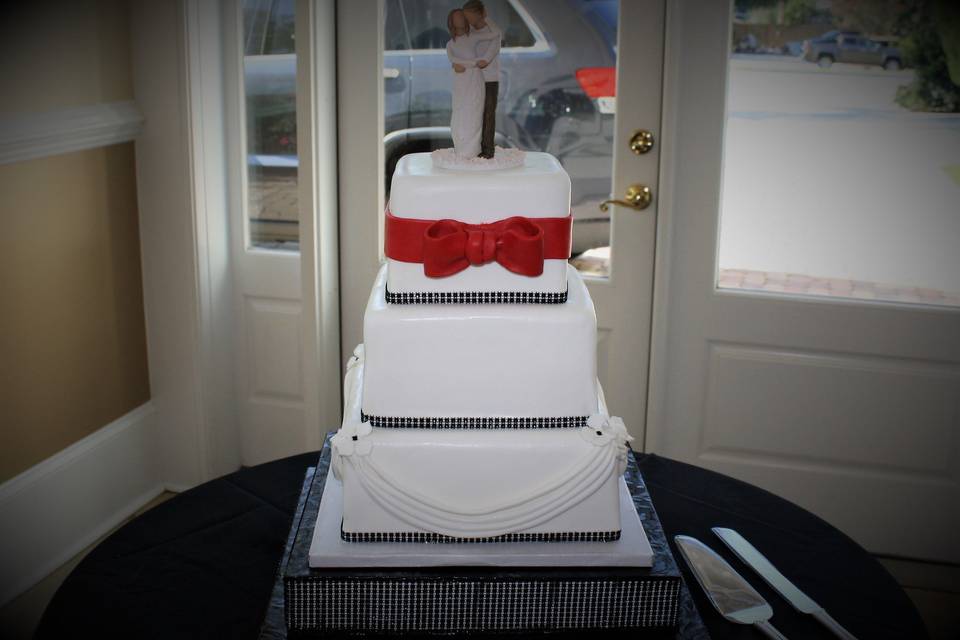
(571, 85)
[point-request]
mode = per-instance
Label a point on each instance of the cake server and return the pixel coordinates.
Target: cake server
(778, 582)
(730, 594)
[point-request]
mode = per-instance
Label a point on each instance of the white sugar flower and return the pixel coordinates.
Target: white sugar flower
(619, 430)
(348, 441)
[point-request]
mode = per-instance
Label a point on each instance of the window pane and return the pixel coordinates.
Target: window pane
(556, 94)
(842, 153)
(270, 84)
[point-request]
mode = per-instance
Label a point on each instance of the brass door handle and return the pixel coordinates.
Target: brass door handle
(637, 197)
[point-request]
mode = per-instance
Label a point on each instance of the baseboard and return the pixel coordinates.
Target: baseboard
(56, 509)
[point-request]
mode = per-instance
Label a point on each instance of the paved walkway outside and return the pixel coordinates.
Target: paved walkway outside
(825, 175)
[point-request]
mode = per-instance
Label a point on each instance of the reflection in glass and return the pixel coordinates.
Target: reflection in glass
(557, 95)
(269, 65)
(841, 153)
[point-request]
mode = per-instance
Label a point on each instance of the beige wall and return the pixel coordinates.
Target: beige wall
(64, 53)
(72, 339)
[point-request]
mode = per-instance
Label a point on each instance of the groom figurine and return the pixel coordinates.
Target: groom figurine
(488, 50)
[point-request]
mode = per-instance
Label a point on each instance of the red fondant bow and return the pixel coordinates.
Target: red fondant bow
(450, 246)
(446, 247)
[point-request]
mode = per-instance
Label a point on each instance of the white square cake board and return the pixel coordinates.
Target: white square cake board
(329, 550)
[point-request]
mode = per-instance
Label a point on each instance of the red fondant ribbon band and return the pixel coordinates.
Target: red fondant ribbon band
(446, 246)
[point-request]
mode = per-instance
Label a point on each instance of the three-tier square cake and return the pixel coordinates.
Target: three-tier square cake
(473, 410)
(473, 414)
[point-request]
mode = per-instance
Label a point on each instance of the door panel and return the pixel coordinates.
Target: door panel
(847, 407)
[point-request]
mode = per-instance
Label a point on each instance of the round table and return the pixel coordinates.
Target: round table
(203, 564)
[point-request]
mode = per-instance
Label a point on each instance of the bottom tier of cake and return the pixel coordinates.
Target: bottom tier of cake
(477, 485)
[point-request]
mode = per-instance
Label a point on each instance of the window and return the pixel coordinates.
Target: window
(268, 27)
(395, 33)
(269, 77)
(841, 180)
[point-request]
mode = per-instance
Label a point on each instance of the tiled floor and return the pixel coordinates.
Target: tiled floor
(935, 590)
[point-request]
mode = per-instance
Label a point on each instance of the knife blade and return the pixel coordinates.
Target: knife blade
(779, 582)
(728, 592)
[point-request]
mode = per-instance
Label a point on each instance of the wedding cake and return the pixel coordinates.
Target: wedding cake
(472, 410)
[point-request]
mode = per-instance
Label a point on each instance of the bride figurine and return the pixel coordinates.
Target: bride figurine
(466, 118)
(466, 50)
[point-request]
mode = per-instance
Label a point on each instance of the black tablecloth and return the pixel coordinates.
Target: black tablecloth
(202, 565)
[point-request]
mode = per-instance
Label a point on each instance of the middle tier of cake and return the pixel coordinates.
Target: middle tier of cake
(480, 365)
(477, 485)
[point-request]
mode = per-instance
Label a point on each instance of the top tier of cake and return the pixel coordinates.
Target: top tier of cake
(538, 190)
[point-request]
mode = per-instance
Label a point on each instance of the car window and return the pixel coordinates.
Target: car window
(269, 27)
(603, 16)
(427, 23)
(394, 33)
(516, 33)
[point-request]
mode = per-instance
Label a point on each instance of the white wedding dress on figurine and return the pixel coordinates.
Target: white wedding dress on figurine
(466, 118)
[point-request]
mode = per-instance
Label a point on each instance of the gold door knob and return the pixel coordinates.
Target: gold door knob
(641, 141)
(637, 197)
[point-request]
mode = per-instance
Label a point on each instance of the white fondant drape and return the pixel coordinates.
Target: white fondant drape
(520, 511)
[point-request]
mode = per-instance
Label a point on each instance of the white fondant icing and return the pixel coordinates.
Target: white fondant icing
(405, 277)
(477, 483)
(481, 360)
(539, 188)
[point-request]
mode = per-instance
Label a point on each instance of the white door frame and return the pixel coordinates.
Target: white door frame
(624, 300)
(316, 37)
(181, 197)
(362, 193)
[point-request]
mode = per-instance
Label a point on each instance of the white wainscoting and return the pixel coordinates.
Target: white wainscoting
(35, 135)
(55, 509)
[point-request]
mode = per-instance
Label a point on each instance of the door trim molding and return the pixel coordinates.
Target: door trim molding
(181, 200)
(663, 256)
(29, 136)
(316, 37)
(362, 189)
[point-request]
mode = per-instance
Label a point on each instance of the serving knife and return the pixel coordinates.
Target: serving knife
(729, 593)
(778, 582)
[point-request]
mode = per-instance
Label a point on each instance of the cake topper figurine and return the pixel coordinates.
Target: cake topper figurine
(466, 115)
(474, 54)
(487, 51)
